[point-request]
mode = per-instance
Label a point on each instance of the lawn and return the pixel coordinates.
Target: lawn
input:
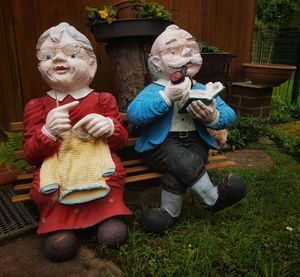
(258, 237)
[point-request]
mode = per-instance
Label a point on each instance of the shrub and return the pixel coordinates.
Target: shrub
(246, 130)
(282, 111)
(287, 143)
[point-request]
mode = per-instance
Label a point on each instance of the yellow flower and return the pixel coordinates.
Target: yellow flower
(103, 14)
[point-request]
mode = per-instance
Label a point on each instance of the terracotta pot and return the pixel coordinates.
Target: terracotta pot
(268, 75)
(126, 9)
(7, 175)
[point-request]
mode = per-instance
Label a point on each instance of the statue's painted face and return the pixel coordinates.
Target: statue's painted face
(65, 65)
(178, 49)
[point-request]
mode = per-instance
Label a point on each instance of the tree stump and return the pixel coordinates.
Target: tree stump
(128, 45)
(129, 59)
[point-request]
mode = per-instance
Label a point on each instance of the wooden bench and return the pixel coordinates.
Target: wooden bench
(135, 169)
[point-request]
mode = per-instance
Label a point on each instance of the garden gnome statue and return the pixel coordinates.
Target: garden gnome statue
(177, 144)
(71, 137)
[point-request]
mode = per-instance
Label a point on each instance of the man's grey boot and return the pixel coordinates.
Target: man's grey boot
(230, 191)
(159, 220)
(205, 191)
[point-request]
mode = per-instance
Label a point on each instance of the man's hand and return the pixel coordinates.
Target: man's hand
(58, 121)
(96, 125)
(206, 114)
(177, 91)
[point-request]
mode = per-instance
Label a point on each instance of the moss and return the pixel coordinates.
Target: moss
(293, 127)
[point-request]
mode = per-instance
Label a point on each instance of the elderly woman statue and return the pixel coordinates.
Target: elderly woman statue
(176, 143)
(68, 133)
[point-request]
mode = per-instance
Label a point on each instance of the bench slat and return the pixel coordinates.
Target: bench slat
(20, 198)
(142, 177)
(137, 169)
(132, 141)
(210, 166)
(19, 187)
(16, 126)
(217, 158)
(23, 177)
(132, 162)
(124, 116)
(19, 154)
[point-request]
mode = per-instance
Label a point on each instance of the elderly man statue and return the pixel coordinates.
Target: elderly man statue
(178, 144)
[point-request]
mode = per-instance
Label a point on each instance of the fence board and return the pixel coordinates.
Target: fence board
(11, 104)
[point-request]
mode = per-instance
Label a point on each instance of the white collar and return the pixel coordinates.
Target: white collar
(161, 82)
(77, 94)
(164, 82)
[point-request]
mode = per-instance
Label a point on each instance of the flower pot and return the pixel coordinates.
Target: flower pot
(215, 64)
(126, 9)
(215, 67)
(268, 75)
(129, 28)
(8, 175)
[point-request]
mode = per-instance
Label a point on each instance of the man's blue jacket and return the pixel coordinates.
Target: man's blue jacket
(150, 111)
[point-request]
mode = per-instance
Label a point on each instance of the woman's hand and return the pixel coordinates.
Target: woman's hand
(58, 121)
(96, 125)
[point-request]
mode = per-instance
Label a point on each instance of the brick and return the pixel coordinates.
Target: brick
(250, 91)
(235, 101)
(255, 102)
(258, 112)
(265, 112)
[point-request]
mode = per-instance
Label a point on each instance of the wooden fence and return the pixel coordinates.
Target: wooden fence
(227, 24)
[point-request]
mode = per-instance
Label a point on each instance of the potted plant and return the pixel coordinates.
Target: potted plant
(267, 75)
(8, 171)
(107, 14)
(152, 10)
(127, 8)
(9, 165)
(149, 20)
(215, 64)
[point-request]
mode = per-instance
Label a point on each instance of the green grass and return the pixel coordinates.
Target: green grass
(249, 239)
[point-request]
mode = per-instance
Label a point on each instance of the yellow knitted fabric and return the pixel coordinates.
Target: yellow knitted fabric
(50, 175)
(78, 168)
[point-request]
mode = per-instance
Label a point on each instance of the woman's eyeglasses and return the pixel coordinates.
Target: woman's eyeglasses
(69, 49)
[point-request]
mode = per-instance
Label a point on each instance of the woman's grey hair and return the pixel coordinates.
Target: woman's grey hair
(56, 32)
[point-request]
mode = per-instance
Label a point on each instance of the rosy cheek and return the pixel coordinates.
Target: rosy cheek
(42, 68)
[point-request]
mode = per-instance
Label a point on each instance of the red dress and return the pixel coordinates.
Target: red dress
(53, 215)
